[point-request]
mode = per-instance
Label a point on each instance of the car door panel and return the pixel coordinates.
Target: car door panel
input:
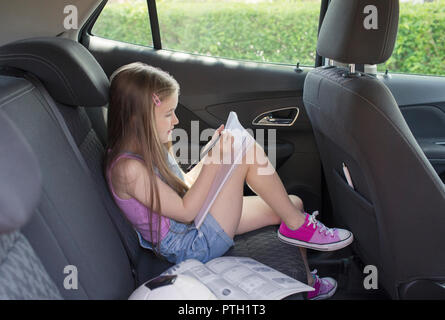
(422, 102)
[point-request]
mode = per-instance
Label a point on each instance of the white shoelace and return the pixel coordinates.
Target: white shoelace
(313, 221)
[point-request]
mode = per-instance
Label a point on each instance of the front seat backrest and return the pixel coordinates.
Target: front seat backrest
(396, 207)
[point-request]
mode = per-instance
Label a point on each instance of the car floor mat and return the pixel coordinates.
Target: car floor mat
(264, 246)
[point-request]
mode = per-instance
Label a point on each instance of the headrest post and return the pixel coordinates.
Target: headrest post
(352, 68)
(351, 73)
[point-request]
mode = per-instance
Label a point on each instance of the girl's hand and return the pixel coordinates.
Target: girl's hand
(223, 149)
(217, 132)
(215, 136)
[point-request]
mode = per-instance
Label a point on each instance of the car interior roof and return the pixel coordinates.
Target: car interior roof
(45, 17)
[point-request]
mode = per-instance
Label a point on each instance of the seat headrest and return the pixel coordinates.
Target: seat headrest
(359, 31)
(68, 70)
(20, 178)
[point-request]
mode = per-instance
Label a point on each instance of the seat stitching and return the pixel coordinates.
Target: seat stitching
(19, 94)
(44, 193)
(84, 140)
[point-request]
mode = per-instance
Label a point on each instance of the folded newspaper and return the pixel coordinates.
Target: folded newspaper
(242, 141)
(240, 278)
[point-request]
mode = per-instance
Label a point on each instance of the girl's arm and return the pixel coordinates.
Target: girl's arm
(173, 206)
(192, 175)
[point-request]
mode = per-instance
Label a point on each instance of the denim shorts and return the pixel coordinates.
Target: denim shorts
(184, 241)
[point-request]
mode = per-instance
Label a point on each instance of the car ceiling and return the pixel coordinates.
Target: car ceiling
(20, 19)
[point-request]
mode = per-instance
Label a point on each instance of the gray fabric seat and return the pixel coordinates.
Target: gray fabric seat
(22, 275)
(396, 209)
(77, 222)
(70, 225)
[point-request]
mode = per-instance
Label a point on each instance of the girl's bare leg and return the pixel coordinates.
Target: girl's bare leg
(310, 279)
(257, 214)
(237, 214)
(227, 208)
(270, 188)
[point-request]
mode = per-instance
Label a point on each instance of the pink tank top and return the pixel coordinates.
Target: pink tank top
(136, 212)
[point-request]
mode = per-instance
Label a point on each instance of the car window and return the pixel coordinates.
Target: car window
(280, 31)
(124, 20)
(276, 31)
(420, 44)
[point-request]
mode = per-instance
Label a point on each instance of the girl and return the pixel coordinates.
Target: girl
(161, 201)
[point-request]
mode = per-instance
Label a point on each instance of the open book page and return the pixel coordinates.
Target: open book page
(242, 141)
(221, 288)
(255, 279)
(239, 278)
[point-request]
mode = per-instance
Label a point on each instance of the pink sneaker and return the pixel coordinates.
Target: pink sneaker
(314, 235)
(324, 287)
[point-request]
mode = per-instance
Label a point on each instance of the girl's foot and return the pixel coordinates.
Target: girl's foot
(324, 287)
(314, 235)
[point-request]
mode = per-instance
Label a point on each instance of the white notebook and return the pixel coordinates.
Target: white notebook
(243, 140)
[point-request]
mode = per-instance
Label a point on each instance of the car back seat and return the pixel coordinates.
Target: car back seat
(71, 225)
(22, 275)
(77, 222)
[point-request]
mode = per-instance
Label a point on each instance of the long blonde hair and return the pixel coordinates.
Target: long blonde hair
(131, 117)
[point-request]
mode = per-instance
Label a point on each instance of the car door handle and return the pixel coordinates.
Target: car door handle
(278, 117)
(269, 120)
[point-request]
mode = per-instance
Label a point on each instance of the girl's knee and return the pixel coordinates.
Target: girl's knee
(255, 155)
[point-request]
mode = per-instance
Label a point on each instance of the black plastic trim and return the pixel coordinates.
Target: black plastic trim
(154, 24)
(319, 60)
(86, 28)
(422, 289)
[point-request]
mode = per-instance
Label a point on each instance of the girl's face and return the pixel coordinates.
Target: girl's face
(166, 118)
